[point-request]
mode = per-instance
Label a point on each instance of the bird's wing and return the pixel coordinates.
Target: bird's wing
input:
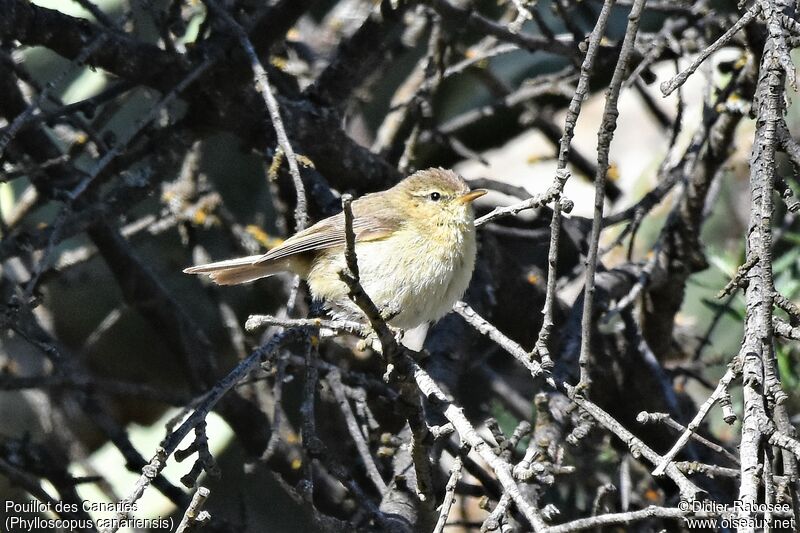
(329, 233)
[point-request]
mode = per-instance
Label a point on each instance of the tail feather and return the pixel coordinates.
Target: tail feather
(250, 260)
(235, 271)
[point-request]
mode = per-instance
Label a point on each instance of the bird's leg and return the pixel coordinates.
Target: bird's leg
(389, 311)
(371, 338)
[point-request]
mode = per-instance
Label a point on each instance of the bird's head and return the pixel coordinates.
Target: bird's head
(437, 197)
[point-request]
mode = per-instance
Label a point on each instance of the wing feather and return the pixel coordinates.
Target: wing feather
(329, 233)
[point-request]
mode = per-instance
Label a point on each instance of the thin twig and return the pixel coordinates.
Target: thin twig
(449, 495)
(670, 85)
(469, 435)
(199, 413)
(737, 279)
(721, 391)
(688, 490)
(195, 515)
(255, 322)
(628, 518)
(485, 328)
(265, 89)
(604, 137)
(334, 379)
(649, 418)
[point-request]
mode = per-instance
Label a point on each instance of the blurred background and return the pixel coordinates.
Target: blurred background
(93, 372)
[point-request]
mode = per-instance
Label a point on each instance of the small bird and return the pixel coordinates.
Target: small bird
(414, 243)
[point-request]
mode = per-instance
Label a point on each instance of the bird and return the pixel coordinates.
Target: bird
(415, 245)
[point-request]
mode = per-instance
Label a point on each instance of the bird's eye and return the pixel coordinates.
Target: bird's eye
(435, 196)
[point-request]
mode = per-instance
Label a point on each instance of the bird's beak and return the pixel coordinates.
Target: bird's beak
(471, 196)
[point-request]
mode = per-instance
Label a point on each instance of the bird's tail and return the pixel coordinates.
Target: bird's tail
(241, 270)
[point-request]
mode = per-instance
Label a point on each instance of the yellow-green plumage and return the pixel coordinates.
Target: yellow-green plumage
(415, 245)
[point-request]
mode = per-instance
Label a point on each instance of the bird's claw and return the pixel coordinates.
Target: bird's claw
(389, 311)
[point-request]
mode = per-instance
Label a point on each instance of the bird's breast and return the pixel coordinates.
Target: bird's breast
(414, 275)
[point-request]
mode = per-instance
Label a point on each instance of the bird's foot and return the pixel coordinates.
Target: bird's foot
(389, 311)
(372, 340)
